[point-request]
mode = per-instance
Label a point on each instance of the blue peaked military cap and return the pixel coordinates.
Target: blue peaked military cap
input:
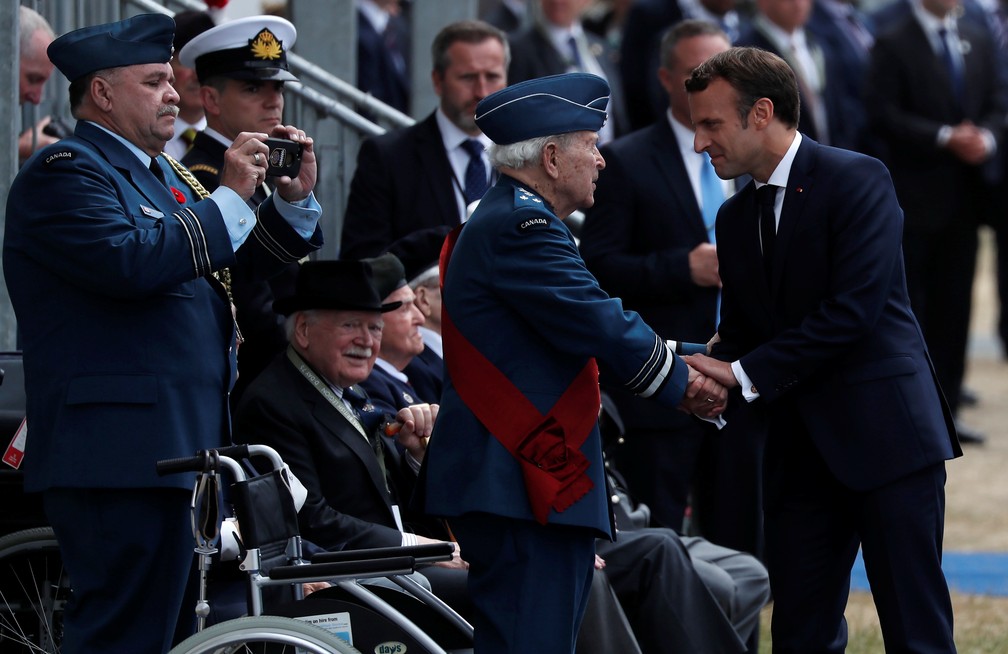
(142, 39)
(544, 106)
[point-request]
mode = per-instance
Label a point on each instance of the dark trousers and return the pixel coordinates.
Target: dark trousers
(129, 553)
(529, 583)
(814, 526)
(940, 267)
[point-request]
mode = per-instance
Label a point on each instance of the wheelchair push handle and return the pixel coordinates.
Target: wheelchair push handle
(203, 461)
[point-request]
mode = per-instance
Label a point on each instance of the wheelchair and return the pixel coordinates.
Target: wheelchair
(350, 615)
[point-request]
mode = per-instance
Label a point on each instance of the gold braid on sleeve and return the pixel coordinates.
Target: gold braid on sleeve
(224, 274)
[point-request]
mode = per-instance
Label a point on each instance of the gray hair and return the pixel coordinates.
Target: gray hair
(523, 153)
(291, 320)
(29, 22)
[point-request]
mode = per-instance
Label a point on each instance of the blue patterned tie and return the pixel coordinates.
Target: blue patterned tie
(476, 182)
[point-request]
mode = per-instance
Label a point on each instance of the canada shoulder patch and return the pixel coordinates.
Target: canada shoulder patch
(59, 155)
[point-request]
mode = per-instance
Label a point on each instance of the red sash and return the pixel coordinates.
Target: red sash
(548, 447)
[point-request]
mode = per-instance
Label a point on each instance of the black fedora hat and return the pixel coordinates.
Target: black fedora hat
(341, 285)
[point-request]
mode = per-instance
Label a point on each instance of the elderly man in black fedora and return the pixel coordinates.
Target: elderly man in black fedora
(307, 405)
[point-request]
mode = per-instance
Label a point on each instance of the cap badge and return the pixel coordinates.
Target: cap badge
(266, 46)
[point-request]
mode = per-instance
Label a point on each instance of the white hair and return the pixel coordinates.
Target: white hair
(524, 153)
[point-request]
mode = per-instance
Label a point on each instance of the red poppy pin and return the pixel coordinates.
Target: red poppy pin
(216, 4)
(179, 197)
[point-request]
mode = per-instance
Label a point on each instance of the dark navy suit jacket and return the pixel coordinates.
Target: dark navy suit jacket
(832, 336)
(128, 342)
(403, 182)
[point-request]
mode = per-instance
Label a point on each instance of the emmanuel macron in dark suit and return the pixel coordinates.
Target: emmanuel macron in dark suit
(414, 177)
(825, 340)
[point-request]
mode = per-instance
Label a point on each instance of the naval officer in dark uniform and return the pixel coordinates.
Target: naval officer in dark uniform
(242, 68)
(128, 337)
(515, 460)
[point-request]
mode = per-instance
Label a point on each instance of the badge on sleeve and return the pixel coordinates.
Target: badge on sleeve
(153, 213)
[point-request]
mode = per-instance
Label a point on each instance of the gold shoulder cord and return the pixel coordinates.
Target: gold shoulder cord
(223, 275)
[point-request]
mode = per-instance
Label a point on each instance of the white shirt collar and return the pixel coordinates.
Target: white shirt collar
(391, 370)
(782, 172)
(432, 340)
(451, 136)
(931, 23)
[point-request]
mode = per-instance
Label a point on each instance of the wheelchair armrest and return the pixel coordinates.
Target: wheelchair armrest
(374, 567)
(428, 553)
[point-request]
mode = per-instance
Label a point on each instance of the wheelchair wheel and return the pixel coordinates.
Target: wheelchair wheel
(263, 634)
(34, 589)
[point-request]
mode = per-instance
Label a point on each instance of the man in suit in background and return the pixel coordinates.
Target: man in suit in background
(429, 173)
(129, 340)
(816, 327)
(383, 52)
(936, 106)
(648, 240)
(243, 93)
(557, 43)
(779, 27)
(646, 23)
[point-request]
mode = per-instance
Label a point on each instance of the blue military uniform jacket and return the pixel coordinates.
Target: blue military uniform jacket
(517, 290)
(128, 341)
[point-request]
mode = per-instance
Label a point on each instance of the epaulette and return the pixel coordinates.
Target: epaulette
(526, 198)
(204, 168)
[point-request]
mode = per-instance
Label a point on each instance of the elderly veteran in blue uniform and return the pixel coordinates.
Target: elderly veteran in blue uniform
(110, 257)
(515, 460)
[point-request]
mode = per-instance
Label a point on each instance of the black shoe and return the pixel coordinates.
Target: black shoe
(968, 397)
(968, 435)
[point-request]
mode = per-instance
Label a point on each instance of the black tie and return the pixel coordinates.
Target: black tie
(951, 64)
(158, 172)
(475, 174)
(765, 197)
(370, 419)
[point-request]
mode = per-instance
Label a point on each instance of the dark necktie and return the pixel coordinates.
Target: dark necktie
(158, 172)
(765, 197)
(475, 174)
(370, 419)
(951, 64)
(575, 55)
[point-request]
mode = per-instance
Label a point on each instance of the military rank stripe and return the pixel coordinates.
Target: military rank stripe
(197, 240)
(655, 373)
(262, 234)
